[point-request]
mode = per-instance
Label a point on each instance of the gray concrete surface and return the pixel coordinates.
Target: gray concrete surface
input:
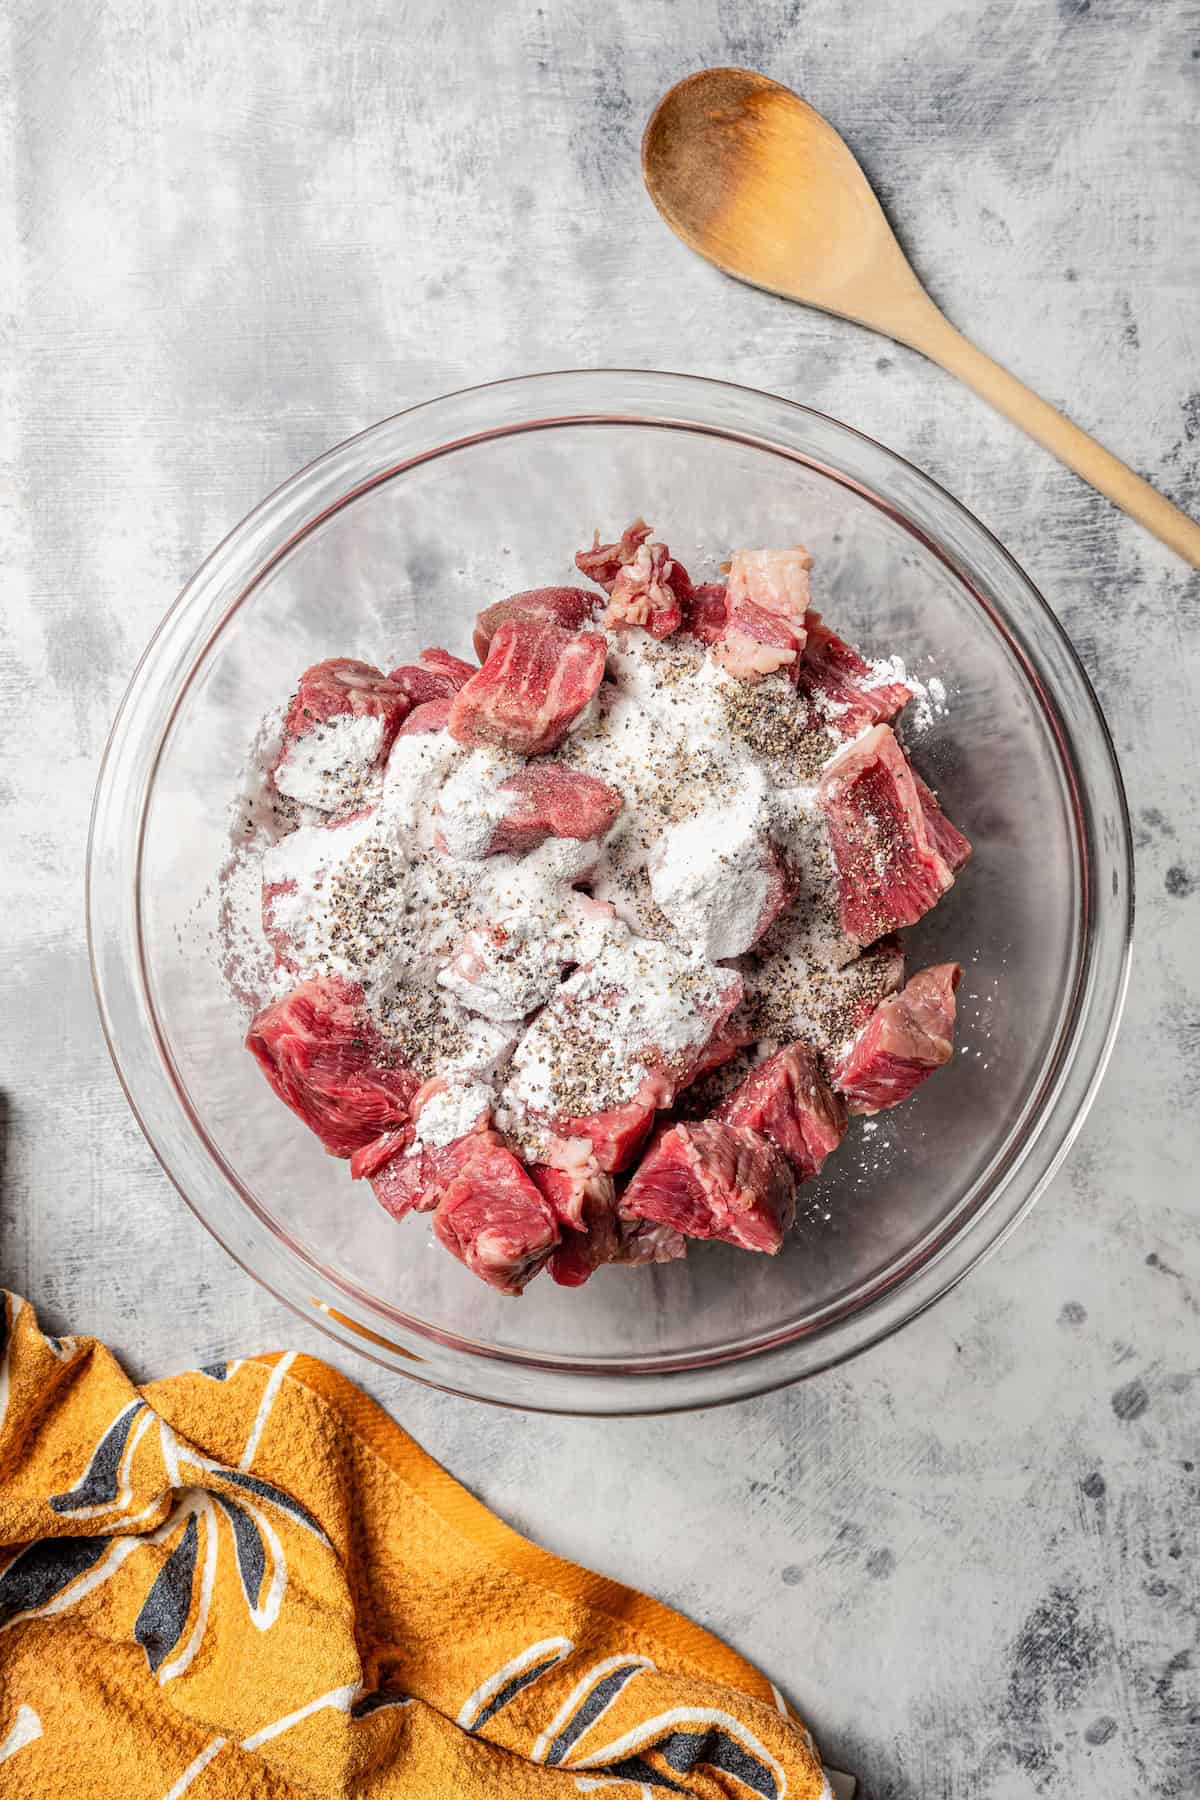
(232, 234)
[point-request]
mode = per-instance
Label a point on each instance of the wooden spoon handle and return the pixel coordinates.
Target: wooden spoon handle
(939, 340)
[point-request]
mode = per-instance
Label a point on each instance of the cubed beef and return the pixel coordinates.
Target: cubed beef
(536, 681)
(640, 1005)
(436, 675)
(583, 1199)
(604, 562)
(907, 1037)
(885, 833)
(713, 1180)
(766, 600)
(340, 725)
(842, 687)
(322, 1054)
(704, 615)
(788, 1099)
(649, 591)
(430, 715)
(494, 1218)
(719, 881)
(569, 608)
(550, 800)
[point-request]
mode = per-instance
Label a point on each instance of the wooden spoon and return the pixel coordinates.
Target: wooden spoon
(750, 176)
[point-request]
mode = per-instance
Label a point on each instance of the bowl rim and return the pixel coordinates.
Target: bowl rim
(1062, 1093)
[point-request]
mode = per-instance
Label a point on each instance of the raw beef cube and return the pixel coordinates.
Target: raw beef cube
(536, 681)
(649, 591)
(948, 840)
(907, 1037)
(436, 675)
(584, 1203)
(372, 1157)
(749, 655)
(713, 1180)
(494, 1219)
(718, 880)
(322, 1054)
(704, 615)
(766, 600)
(885, 837)
(549, 800)
(622, 1035)
(416, 1175)
(431, 715)
(616, 1133)
(568, 607)
(841, 685)
(722, 1048)
(604, 562)
(339, 728)
(331, 689)
(789, 1101)
(573, 1181)
(406, 1182)
(455, 670)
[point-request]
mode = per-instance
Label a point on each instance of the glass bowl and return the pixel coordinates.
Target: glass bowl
(393, 541)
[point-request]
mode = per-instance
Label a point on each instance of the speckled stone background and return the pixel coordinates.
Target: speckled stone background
(230, 235)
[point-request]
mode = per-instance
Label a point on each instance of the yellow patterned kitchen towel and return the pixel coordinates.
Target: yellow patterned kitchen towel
(247, 1580)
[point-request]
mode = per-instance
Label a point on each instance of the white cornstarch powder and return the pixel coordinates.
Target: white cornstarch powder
(712, 877)
(452, 1112)
(333, 766)
(470, 805)
(558, 981)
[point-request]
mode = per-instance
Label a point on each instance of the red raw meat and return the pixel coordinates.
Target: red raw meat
(722, 1048)
(382, 1150)
(406, 1182)
(948, 840)
(704, 615)
(617, 1134)
(907, 1037)
(713, 1180)
(789, 1101)
(322, 1054)
(536, 680)
(414, 1179)
(584, 1203)
(766, 601)
(343, 685)
(832, 670)
(549, 800)
(431, 715)
(436, 675)
(568, 607)
(649, 591)
(781, 891)
(604, 562)
(885, 835)
(493, 1217)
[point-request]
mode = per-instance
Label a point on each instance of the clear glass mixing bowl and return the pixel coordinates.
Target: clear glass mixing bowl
(393, 541)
